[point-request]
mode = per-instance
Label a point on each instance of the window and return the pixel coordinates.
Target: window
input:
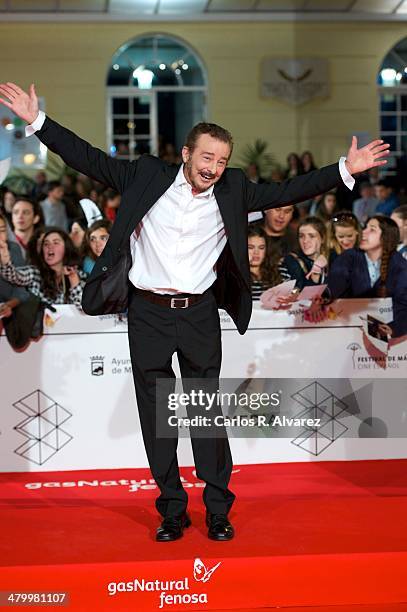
(392, 80)
(157, 91)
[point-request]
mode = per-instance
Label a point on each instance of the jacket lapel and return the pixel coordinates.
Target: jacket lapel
(224, 200)
(222, 195)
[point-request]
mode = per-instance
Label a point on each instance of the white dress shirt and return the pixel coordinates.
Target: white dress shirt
(176, 245)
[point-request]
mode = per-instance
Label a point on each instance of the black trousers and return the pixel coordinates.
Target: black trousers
(156, 332)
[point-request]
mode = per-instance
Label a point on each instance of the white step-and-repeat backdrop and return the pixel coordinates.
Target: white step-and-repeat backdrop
(68, 403)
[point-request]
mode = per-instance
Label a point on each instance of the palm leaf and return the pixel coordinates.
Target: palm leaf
(256, 153)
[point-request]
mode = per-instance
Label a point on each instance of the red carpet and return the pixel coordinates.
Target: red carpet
(307, 534)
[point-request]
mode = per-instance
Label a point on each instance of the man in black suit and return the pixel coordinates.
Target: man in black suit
(177, 253)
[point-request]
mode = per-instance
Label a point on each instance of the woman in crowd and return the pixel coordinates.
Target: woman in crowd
(294, 166)
(343, 233)
(375, 269)
(308, 163)
(7, 200)
(95, 241)
(15, 251)
(10, 295)
(77, 231)
(309, 265)
(266, 268)
(327, 207)
(57, 279)
(399, 215)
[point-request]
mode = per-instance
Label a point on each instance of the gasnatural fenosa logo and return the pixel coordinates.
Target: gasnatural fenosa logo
(166, 588)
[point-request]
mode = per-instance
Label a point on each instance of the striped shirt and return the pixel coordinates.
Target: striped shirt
(30, 277)
(258, 286)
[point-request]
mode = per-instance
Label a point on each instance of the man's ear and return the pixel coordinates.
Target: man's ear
(36, 219)
(185, 154)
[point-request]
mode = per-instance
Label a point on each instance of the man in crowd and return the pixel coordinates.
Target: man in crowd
(53, 207)
(387, 199)
(26, 215)
(40, 188)
(365, 206)
(277, 227)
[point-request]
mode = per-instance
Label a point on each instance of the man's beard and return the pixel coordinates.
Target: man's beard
(199, 188)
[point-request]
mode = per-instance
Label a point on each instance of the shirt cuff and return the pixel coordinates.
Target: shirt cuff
(345, 174)
(36, 124)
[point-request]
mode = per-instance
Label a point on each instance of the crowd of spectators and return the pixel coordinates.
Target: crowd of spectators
(50, 238)
(353, 242)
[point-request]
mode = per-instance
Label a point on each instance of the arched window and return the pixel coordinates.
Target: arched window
(157, 91)
(392, 80)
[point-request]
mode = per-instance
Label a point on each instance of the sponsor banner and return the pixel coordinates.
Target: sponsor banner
(342, 313)
(69, 400)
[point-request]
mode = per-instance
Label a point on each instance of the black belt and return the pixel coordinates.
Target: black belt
(171, 301)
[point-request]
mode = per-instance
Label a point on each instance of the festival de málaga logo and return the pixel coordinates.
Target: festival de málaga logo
(171, 592)
(378, 361)
(354, 346)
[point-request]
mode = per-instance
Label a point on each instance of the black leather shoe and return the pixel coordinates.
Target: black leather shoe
(219, 527)
(172, 528)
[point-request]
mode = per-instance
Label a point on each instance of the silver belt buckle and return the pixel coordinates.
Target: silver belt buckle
(186, 302)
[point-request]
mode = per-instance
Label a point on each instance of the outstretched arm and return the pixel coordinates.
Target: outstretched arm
(306, 186)
(75, 152)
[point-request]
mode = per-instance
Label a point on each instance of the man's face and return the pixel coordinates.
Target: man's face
(206, 163)
(22, 216)
(366, 192)
(382, 192)
(277, 219)
(56, 193)
(40, 178)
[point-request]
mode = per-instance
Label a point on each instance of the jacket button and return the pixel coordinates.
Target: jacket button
(118, 250)
(104, 268)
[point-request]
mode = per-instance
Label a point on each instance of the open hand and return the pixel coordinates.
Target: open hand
(5, 310)
(24, 105)
(359, 160)
(286, 301)
(72, 273)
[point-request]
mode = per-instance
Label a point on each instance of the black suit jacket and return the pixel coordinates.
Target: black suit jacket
(141, 183)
